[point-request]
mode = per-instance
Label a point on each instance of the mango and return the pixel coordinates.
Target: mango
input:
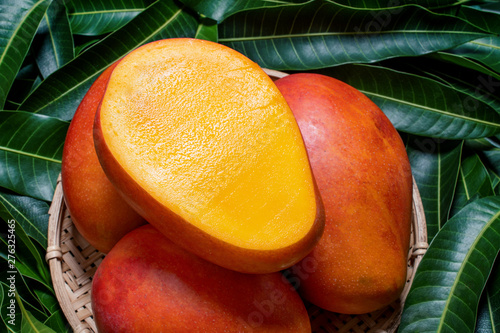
(146, 283)
(97, 209)
(201, 143)
(364, 177)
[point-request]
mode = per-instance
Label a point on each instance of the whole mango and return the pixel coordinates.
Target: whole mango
(148, 284)
(364, 178)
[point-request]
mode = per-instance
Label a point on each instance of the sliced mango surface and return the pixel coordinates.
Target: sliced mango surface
(206, 133)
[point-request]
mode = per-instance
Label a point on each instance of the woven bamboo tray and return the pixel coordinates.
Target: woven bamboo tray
(73, 262)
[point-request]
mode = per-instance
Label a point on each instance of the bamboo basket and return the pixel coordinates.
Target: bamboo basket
(73, 262)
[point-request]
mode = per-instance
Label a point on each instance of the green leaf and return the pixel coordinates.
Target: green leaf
(218, 10)
(54, 42)
(320, 34)
(60, 94)
(30, 153)
(46, 297)
(463, 62)
(9, 312)
(482, 16)
(58, 322)
(29, 290)
(23, 84)
(435, 164)
(489, 308)
(376, 4)
(30, 213)
(29, 323)
(491, 157)
(473, 183)
(207, 30)
(485, 50)
(420, 105)
(457, 72)
(28, 257)
(452, 274)
(19, 20)
(99, 17)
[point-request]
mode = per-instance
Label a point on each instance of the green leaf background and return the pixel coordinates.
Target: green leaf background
(432, 66)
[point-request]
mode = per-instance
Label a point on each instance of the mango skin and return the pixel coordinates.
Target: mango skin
(364, 178)
(97, 209)
(148, 284)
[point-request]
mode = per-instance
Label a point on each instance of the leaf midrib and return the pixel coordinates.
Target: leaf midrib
(462, 267)
(418, 106)
(485, 45)
(127, 10)
(335, 33)
(22, 215)
(20, 152)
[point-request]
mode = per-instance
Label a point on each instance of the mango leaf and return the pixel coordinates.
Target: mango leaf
(54, 42)
(28, 257)
(9, 319)
(473, 183)
(463, 61)
(435, 165)
(491, 158)
(485, 50)
(29, 323)
(30, 153)
(320, 34)
(207, 30)
(58, 322)
(19, 20)
(420, 105)
(218, 10)
(377, 4)
(25, 289)
(445, 292)
(483, 16)
(99, 17)
(31, 214)
(46, 296)
(60, 94)
(457, 72)
(23, 84)
(489, 308)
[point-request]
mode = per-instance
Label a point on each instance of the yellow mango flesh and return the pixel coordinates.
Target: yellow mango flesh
(207, 134)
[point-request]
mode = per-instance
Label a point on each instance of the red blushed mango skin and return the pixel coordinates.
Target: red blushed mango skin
(148, 284)
(364, 178)
(97, 210)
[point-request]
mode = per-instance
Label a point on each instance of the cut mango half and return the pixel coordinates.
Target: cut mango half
(199, 141)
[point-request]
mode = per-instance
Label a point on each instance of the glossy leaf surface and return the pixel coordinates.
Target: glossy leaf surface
(30, 153)
(420, 105)
(321, 34)
(447, 286)
(435, 165)
(19, 20)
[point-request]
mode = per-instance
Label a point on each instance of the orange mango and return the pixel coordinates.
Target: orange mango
(148, 284)
(364, 177)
